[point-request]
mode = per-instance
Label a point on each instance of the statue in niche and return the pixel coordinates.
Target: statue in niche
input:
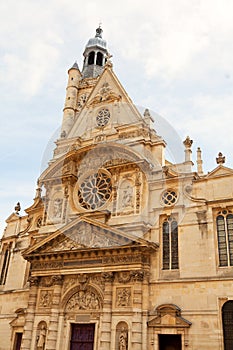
(41, 338)
(127, 198)
(123, 339)
(57, 208)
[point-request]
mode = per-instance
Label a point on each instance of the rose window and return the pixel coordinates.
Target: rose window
(169, 197)
(103, 117)
(95, 190)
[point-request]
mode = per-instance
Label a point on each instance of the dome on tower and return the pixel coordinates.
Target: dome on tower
(97, 40)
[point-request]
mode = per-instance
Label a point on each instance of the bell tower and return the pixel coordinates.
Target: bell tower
(95, 54)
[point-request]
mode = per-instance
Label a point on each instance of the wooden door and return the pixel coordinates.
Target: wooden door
(169, 342)
(82, 337)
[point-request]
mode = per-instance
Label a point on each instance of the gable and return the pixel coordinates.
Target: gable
(110, 97)
(220, 171)
(83, 234)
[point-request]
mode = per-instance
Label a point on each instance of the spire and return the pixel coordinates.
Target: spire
(95, 55)
(75, 66)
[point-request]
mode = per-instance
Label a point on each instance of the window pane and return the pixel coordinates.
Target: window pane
(165, 245)
(174, 240)
(222, 247)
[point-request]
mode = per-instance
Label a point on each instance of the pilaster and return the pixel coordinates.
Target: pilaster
(54, 316)
(28, 328)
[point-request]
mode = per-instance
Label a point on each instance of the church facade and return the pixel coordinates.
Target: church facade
(121, 249)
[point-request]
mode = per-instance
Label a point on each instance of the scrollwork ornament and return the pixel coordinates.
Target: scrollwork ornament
(34, 281)
(108, 276)
(57, 280)
(124, 276)
(137, 276)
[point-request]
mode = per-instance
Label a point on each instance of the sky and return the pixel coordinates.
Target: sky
(173, 57)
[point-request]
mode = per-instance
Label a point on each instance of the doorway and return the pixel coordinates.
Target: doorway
(82, 336)
(170, 342)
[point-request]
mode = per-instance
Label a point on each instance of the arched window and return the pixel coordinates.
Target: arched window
(227, 322)
(99, 60)
(91, 57)
(225, 238)
(170, 244)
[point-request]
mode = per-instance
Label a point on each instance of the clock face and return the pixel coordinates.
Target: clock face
(95, 190)
(103, 117)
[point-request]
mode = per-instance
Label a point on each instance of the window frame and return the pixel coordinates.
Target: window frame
(224, 237)
(170, 253)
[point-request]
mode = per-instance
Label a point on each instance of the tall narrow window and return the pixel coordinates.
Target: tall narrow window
(91, 57)
(170, 244)
(227, 321)
(99, 60)
(5, 264)
(225, 238)
(18, 341)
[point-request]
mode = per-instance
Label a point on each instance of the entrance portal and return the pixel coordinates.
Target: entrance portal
(82, 337)
(169, 342)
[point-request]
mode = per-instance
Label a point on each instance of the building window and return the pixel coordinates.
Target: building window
(91, 57)
(99, 60)
(18, 341)
(170, 244)
(227, 322)
(225, 238)
(6, 252)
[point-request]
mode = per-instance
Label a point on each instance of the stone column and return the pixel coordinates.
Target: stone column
(28, 328)
(54, 316)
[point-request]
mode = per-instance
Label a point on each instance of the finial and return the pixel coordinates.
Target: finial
(220, 159)
(38, 190)
(146, 113)
(99, 32)
(188, 142)
(199, 162)
(17, 208)
(108, 63)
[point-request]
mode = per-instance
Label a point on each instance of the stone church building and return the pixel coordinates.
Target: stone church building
(121, 248)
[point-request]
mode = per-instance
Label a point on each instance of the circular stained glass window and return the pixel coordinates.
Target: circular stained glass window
(95, 190)
(103, 117)
(169, 197)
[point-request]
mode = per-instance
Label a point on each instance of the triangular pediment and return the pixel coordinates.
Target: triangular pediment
(83, 234)
(168, 316)
(107, 94)
(220, 171)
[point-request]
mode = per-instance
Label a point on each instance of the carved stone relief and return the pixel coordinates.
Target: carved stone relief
(123, 297)
(105, 94)
(83, 300)
(45, 298)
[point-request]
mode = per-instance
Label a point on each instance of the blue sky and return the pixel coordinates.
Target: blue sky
(173, 57)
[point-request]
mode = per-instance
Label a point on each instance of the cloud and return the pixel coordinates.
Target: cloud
(174, 57)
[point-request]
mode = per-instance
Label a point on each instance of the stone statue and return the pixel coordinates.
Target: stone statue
(123, 337)
(57, 208)
(41, 338)
(127, 200)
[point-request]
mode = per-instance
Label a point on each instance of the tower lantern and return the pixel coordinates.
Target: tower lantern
(94, 55)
